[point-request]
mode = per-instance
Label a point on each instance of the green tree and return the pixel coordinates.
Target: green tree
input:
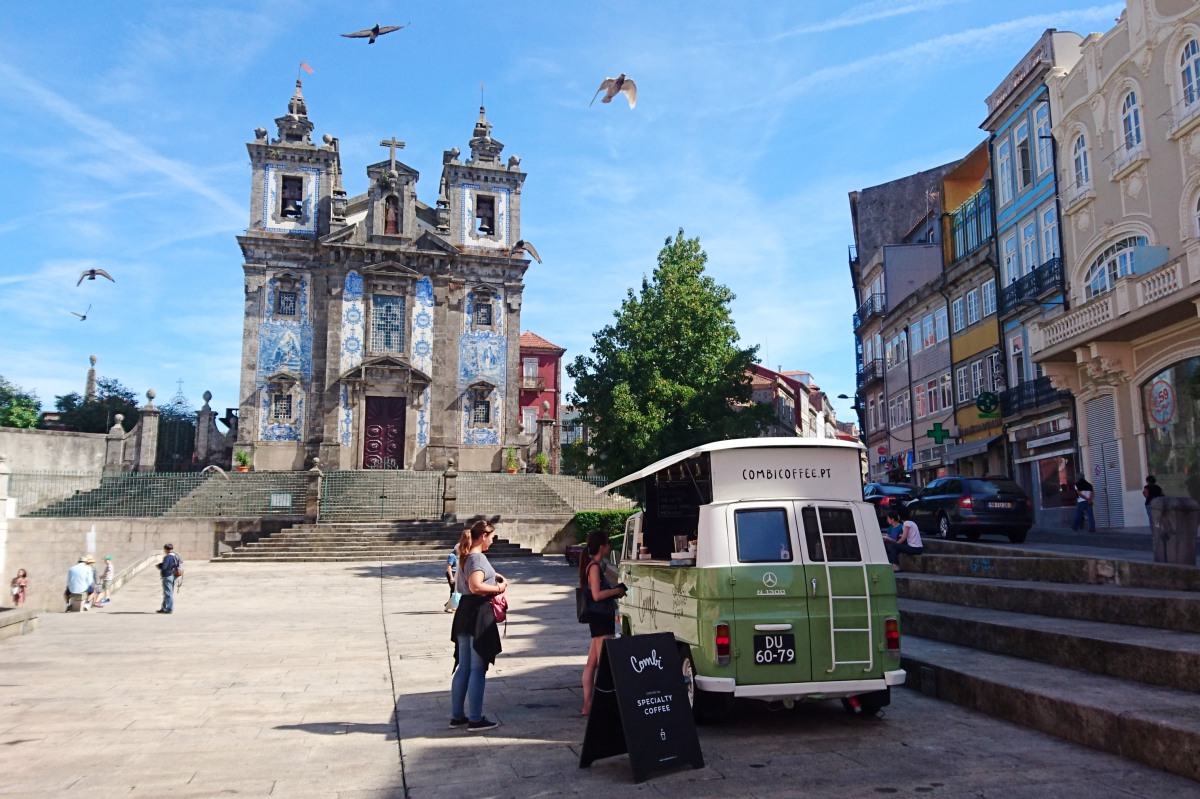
(112, 398)
(18, 407)
(668, 374)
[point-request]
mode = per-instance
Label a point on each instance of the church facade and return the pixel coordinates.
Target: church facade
(380, 332)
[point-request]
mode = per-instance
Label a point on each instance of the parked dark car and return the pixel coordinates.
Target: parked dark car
(887, 497)
(972, 506)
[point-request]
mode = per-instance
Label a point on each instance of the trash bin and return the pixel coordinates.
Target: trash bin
(1173, 524)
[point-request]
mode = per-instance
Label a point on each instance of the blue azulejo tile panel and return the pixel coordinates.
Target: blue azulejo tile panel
(502, 239)
(345, 418)
(285, 347)
(302, 307)
(481, 436)
(353, 322)
(306, 222)
(422, 350)
(482, 356)
(423, 419)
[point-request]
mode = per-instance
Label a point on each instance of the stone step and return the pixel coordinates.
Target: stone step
(1149, 724)
(1077, 570)
(432, 558)
(1158, 657)
(1152, 607)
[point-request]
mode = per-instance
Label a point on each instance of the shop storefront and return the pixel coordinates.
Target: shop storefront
(1171, 414)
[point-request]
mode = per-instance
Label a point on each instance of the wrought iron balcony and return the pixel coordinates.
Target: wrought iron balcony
(1031, 287)
(1031, 395)
(873, 306)
(532, 383)
(870, 372)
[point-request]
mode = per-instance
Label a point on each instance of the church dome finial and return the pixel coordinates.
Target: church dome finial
(294, 126)
(484, 149)
(483, 128)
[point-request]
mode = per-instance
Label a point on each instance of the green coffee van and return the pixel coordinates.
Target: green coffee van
(761, 558)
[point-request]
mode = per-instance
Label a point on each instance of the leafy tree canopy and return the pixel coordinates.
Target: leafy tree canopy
(18, 407)
(668, 374)
(112, 398)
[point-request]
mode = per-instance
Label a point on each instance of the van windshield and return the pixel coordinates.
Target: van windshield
(762, 535)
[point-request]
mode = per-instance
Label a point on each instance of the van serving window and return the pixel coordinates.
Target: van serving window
(762, 536)
(837, 529)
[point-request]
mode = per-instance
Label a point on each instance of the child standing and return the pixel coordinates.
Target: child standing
(107, 580)
(19, 585)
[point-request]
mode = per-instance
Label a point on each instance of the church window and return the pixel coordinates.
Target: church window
(285, 303)
(485, 214)
(481, 410)
(387, 323)
(483, 313)
(291, 198)
(281, 407)
(391, 223)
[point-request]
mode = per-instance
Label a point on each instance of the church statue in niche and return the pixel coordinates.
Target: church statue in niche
(376, 336)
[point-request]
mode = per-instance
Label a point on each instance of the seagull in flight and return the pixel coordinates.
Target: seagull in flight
(614, 86)
(83, 315)
(526, 247)
(374, 33)
(92, 274)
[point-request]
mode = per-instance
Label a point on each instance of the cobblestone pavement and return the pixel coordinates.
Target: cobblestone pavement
(293, 680)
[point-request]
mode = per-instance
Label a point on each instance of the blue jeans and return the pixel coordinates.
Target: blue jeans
(1083, 509)
(894, 550)
(466, 687)
(168, 581)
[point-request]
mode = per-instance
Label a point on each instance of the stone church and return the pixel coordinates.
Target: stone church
(380, 332)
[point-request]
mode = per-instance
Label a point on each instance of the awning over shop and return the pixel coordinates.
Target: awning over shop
(960, 451)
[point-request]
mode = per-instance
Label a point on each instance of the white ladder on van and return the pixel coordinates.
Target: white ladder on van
(842, 601)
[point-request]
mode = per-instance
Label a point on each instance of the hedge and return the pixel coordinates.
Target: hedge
(611, 522)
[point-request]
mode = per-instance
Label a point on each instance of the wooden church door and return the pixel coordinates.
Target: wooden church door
(383, 441)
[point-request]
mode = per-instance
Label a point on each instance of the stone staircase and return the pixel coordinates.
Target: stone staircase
(1100, 651)
(429, 541)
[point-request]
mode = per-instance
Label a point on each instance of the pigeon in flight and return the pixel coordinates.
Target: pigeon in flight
(92, 274)
(614, 86)
(526, 247)
(83, 315)
(373, 33)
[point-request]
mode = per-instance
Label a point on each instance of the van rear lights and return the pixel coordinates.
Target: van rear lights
(722, 644)
(891, 635)
(965, 502)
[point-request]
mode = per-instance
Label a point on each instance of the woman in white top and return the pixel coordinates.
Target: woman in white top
(908, 541)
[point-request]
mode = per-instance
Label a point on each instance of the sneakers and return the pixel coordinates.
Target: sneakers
(458, 721)
(483, 725)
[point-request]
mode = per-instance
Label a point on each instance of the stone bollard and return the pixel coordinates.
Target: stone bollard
(1174, 523)
(312, 491)
(449, 492)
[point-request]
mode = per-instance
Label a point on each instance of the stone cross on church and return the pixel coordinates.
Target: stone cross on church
(392, 145)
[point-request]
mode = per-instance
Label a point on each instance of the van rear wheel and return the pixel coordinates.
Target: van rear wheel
(706, 706)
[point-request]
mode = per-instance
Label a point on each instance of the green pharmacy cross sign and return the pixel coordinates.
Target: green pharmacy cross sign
(938, 433)
(988, 404)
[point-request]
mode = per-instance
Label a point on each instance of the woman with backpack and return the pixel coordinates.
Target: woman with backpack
(473, 631)
(602, 614)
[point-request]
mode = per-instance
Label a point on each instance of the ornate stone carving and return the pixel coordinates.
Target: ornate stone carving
(1106, 371)
(1135, 182)
(1083, 219)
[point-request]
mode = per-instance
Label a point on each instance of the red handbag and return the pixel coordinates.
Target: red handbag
(500, 607)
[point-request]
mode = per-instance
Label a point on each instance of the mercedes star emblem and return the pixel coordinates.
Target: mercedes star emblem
(770, 580)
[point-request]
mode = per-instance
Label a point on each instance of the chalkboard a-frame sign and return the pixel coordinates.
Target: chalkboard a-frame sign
(640, 706)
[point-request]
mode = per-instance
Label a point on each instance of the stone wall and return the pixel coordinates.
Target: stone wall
(548, 535)
(52, 450)
(46, 548)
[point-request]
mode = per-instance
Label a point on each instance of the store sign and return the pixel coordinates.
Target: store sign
(1162, 402)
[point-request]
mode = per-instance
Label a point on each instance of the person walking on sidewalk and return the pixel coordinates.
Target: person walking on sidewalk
(1151, 491)
(451, 568)
(1084, 495)
(171, 568)
(474, 631)
(18, 588)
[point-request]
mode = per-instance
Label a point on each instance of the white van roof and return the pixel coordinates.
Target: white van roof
(734, 444)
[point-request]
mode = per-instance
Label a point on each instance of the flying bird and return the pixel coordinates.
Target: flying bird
(526, 247)
(374, 33)
(92, 274)
(83, 315)
(614, 86)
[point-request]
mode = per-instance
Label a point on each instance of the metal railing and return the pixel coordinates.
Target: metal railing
(1030, 395)
(872, 306)
(871, 371)
(1029, 288)
(381, 494)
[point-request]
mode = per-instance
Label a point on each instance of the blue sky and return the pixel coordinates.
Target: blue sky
(124, 128)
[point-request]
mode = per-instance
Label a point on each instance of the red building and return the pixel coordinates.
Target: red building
(541, 395)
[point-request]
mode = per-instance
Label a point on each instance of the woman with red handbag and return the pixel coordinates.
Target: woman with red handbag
(474, 632)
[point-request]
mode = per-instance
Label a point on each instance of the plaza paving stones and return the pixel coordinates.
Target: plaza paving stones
(292, 680)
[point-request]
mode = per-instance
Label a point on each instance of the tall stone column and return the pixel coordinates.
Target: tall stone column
(147, 438)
